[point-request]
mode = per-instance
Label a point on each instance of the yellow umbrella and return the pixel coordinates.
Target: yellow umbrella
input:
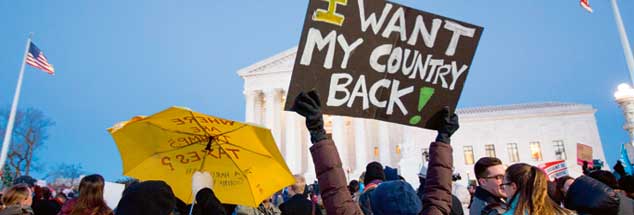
(171, 145)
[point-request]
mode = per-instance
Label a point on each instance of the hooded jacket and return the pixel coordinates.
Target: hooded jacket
(589, 196)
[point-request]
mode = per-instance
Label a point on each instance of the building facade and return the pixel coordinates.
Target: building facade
(529, 133)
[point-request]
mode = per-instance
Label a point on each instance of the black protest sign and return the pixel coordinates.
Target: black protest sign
(381, 60)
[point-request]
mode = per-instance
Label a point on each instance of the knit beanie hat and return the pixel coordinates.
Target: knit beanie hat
(25, 179)
(395, 198)
(373, 171)
(147, 198)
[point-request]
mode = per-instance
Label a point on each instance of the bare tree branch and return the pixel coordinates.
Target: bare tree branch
(29, 134)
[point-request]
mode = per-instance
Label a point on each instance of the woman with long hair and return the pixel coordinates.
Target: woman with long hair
(18, 200)
(90, 200)
(526, 188)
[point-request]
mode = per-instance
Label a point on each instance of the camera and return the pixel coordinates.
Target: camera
(456, 177)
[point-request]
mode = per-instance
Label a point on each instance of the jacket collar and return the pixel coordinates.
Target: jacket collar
(484, 195)
(373, 184)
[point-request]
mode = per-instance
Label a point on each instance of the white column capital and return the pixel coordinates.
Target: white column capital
(252, 93)
(253, 105)
(273, 91)
(273, 119)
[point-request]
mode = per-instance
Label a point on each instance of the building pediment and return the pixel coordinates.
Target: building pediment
(282, 62)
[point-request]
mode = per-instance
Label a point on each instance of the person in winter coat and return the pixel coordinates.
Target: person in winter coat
(526, 188)
(353, 187)
(17, 200)
(556, 189)
(157, 198)
(587, 195)
(605, 177)
(45, 204)
(331, 176)
(298, 203)
(90, 200)
(374, 175)
(619, 170)
(626, 183)
(147, 198)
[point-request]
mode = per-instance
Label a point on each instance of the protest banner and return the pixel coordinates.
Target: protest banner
(112, 193)
(381, 60)
(554, 169)
(584, 153)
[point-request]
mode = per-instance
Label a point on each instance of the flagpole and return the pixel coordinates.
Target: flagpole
(629, 57)
(14, 106)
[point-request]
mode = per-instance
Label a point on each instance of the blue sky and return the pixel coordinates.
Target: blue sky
(119, 58)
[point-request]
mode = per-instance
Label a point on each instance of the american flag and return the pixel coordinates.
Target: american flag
(36, 59)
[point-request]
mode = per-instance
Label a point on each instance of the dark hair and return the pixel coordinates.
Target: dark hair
(373, 171)
(605, 177)
(483, 164)
(555, 194)
(532, 191)
(562, 180)
(91, 197)
(353, 187)
(37, 192)
(46, 193)
(554, 189)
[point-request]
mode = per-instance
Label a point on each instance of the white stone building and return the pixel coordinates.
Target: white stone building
(529, 133)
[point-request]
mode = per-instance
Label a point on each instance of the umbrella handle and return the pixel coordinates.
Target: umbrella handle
(191, 209)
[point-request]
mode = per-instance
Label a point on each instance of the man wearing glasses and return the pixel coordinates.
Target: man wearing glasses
(489, 173)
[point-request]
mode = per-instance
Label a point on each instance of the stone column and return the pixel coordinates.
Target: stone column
(250, 108)
(292, 142)
(273, 104)
(310, 167)
(360, 146)
(384, 143)
(340, 137)
(625, 98)
(258, 105)
(410, 162)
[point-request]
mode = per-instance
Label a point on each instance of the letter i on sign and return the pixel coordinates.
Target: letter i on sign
(423, 98)
(330, 16)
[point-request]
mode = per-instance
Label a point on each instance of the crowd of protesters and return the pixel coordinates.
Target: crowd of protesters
(517, 189)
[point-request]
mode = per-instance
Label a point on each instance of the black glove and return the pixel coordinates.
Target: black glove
(309, 106)
(448, 126)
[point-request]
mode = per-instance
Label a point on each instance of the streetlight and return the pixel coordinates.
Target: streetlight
(624, 96)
